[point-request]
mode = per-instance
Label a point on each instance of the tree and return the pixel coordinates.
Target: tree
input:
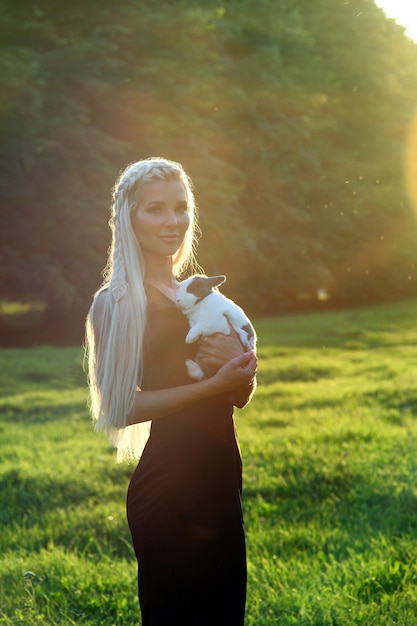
(290, 116)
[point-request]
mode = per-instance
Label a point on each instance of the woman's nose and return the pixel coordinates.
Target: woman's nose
(171, 218)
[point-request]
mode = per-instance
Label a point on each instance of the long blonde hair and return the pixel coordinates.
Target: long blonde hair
(116, 322)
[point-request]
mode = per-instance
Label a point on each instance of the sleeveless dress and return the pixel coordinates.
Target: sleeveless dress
(184, 498)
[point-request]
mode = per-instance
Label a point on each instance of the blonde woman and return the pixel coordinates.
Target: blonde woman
(183, 501)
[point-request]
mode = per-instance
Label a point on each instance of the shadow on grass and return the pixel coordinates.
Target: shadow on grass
(273, 423)
(402, 400)
(40, 413)
(295, 373)
(78, 515)
(348, 504)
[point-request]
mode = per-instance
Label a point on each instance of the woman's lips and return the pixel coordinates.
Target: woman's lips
(170, 237)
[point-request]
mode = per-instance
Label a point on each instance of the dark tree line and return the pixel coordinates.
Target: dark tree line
(291, 117)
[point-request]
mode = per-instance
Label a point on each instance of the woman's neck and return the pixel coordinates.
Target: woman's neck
(159, 273)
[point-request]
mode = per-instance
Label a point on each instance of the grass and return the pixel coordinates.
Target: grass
(330, 481)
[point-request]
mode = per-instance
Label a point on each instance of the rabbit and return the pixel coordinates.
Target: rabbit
(209, 311)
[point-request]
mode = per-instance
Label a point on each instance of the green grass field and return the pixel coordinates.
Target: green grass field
(330, 481)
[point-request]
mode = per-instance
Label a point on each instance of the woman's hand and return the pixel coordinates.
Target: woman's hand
(238, 372)
(218, 349)
(234, 368)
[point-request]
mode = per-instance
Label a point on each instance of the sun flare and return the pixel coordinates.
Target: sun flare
(402, 11)
(411, 162)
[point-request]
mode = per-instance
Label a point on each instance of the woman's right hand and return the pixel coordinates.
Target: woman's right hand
(238, 372)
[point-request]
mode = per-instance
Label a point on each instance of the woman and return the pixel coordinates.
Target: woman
(183, 501)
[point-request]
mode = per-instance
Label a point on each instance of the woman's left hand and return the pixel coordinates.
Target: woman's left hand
(218, 349)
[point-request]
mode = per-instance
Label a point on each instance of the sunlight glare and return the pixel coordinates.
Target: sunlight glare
(404, 12)
(411, 162)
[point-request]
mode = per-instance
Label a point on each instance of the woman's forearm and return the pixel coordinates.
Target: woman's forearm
(151, 405)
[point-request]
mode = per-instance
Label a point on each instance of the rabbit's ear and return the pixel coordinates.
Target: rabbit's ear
(216, 281)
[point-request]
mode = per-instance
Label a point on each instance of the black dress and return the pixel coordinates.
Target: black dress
(184, 498)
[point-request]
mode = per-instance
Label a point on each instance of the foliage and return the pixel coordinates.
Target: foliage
(330, 491)
(290, 116)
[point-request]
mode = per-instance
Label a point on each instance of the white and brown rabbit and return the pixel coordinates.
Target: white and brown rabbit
(208, 312)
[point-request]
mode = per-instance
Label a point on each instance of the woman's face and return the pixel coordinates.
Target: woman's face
(162, 217)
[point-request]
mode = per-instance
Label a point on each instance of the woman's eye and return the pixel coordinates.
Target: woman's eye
(183, 208)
